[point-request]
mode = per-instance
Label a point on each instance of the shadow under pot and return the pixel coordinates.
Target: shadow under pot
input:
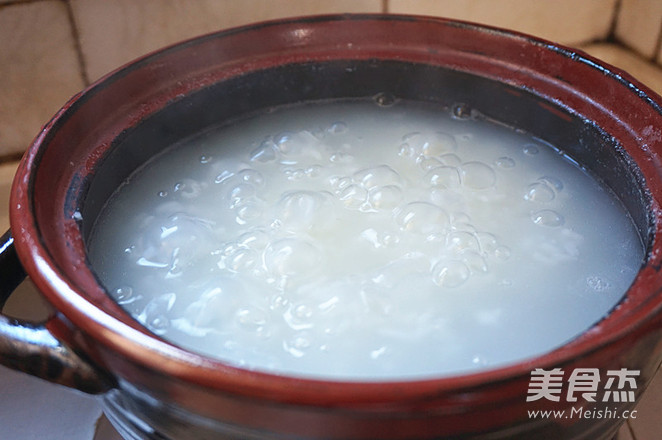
(352, 227)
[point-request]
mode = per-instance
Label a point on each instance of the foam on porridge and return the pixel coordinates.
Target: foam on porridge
(353, 240)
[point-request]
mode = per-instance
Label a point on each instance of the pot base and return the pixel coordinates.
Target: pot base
(142, 420)
(137, 416)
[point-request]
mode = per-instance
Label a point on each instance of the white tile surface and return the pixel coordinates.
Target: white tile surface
(32, 409)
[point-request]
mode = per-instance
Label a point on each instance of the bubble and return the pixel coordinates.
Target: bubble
(411, 135)
(459, 218)
(313, 171)
(248, 212)
(299, 316)
(223, 177)
(230, 248)
(505, 162)
(209, 309)
(406, 151)
(385, 197)
(451, 160)
(530, 149)
(298, 344)
(377, 176)
(296, 174)
(252, 177)
(547, 217)
(479, 360)
(163, 194)
(304, 210)
(242, 260)
(338, 128)
(338, 183)
(265, 152)
(390, 240)
(251, 318)
(158, 324)
(384, 99)
(188, 188)
(353, 196)
(301, 341)
(379, 352)
(303, 311)
(474, 261)
(204, 159)
(461, 111)
(439, 143)
(502, 252)
(379, 239)
(428, 163)
(488, 242)
(154, 316)
(422, 218)
(444, 177)
(597, 283)
(461, 241)
(477, 175)
(278, 302)
(552, 182)
(430, 144)
(302, 143)
(256, 239)
(125, 295)
(291, 257)
(450, 273)
(539, 192)
(145, 262)
(341, 158)
(240, 193)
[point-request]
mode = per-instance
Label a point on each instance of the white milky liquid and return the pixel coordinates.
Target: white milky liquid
(358, 241)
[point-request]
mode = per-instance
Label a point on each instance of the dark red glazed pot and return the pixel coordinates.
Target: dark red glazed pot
(598, 115)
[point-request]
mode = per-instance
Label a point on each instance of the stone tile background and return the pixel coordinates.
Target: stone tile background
(50, 49)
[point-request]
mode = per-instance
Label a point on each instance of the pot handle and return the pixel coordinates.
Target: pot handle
(31, 347)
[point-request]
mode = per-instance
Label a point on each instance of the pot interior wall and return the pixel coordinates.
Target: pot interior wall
(262, 90)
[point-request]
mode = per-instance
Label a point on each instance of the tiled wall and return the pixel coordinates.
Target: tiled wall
(50, 49)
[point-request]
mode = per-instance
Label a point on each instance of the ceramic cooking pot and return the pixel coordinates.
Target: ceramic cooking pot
(151, 389)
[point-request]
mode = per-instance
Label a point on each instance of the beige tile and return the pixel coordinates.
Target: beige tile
(648, 73)
(648, 424)
(39, 69)
(638, 25)
(7, 171)
(113, 33)
(562, 21)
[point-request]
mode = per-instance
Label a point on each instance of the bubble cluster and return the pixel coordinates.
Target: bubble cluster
(342, 246)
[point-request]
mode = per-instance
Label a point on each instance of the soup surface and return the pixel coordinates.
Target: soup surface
(357, 240)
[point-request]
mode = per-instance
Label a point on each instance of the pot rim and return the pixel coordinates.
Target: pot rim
(133, 342)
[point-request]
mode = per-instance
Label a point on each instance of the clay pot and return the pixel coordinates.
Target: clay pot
(604, 119)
